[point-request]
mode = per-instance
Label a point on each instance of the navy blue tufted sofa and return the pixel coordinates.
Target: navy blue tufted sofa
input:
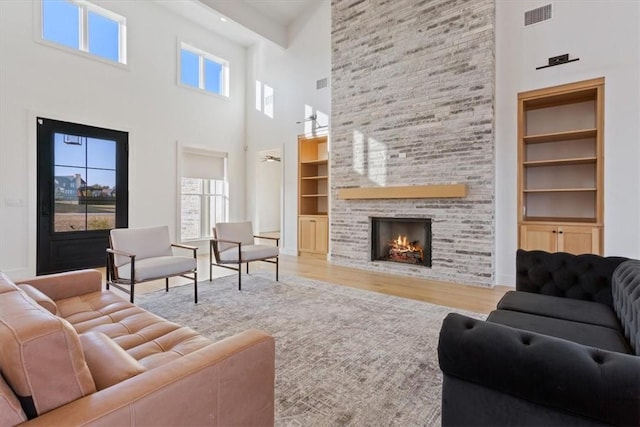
(563, 349)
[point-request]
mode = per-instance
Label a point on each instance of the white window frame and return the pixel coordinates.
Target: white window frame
(202, 55)
(181, 149)
(84, 7)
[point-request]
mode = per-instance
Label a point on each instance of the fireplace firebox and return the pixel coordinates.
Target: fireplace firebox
(403, 240)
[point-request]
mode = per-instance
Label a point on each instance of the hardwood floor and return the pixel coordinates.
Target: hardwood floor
(466, 297)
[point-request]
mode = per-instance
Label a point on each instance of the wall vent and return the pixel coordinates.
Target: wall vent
(540, 14)
(321, 84)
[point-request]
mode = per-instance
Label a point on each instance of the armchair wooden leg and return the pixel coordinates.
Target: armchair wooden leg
(240, 277)
(247, 268)
(277, 264)
(166, 284)
(210, 264)
(131, 293)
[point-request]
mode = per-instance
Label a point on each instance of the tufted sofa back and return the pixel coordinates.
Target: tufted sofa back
(626, 300)
(586, 277)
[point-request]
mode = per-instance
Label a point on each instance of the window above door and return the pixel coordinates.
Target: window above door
(83, 27)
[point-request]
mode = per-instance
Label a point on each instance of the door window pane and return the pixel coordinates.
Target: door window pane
(69, 150)
(61, 23)
(69, 213)
(84, 183)
(100, 199)
(103, 36)
(101, 153)
(189, 68)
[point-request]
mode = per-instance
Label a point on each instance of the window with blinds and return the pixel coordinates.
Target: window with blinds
(204, 195)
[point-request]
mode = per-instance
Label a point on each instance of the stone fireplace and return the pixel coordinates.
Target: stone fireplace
(401, 240)
(412, 104)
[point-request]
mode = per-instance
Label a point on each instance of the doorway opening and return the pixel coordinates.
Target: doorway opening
(268, 211)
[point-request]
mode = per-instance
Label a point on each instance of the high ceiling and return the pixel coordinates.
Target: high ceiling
(281, 11)
(244, 21)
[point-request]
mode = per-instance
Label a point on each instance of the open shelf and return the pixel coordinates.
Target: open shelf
(560, 167)
(313, 194)
(559, 190)
(560, 136)
(562, 162)
(557, 219)
(315, 162)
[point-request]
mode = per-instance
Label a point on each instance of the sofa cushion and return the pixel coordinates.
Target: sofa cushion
(40, 298)
(586, 277)
(11, 412)
(626, 300)
(152, 268)
(581, 333)
(108, 362)
(560, 308)
(556, 373)
(6, 284)
(149, 339)
(41, 357)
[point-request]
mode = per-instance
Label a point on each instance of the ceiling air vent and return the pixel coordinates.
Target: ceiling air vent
(540, 14)
(321, 84)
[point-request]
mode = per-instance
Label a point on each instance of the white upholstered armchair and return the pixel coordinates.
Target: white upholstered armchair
(138, 255)
(234, 243)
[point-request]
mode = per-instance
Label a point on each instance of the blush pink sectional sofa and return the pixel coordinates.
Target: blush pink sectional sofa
(74, 354)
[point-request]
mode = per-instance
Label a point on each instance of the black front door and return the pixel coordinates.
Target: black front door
(82, 193)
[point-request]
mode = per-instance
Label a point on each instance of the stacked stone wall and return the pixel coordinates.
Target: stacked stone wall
(412, 104)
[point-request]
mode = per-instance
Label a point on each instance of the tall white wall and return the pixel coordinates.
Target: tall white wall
(605, 35)
(292, 73)
(142, 98)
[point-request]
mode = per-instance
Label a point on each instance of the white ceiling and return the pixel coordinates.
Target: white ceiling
(281, 11)
(245, 21)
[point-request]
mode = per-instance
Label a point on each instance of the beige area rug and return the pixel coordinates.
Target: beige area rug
(344, 356)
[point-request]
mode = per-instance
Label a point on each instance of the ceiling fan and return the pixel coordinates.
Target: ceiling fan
(314, 119)
(270, 158)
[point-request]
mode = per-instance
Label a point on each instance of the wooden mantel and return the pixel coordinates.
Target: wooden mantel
(405, 192)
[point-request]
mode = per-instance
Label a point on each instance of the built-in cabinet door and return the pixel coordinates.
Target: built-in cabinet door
(313, 236)
(579, 240)
(306, 234)
(322, 235)
(561, 238)
(539, 237)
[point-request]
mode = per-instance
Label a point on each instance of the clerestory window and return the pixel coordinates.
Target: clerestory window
(85, 27)
(202, 70)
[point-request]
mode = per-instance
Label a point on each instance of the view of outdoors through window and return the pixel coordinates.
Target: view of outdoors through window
(202, 71)
(85, 27)
(84, 183)
(204, 202)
